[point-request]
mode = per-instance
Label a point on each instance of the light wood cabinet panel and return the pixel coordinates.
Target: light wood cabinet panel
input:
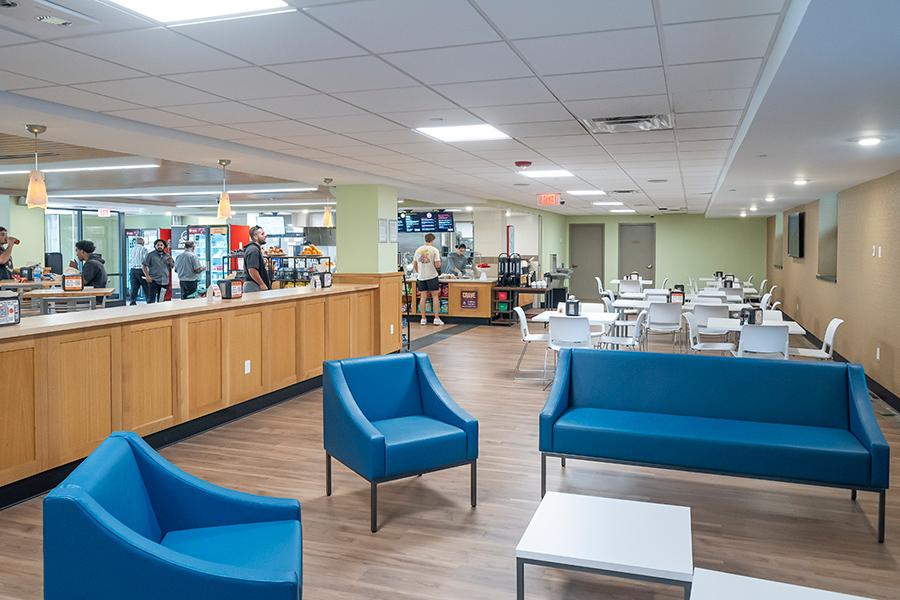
(362, 334)
(310, 337)
(200, 367)
(23, 436)
(245, 352)
(280, 358)
(149, 384)
(337, 328)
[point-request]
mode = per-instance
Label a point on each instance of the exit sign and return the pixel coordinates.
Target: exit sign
(548, 199)
(104, 212)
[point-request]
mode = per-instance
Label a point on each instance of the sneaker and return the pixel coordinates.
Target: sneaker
(423, 322)
(437, 321)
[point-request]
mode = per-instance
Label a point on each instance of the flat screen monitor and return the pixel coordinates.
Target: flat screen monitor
(796, 225)
(273, 224)
(425, 222)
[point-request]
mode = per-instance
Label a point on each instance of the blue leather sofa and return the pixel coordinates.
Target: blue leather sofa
(388, 417)
(128, 524)
(787, 421)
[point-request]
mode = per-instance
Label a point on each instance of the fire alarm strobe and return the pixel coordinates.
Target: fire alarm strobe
(523, 164)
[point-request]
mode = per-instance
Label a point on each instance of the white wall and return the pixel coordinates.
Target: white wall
(528, 233)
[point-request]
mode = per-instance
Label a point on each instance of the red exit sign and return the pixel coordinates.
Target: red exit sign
(548, 199)
(104, 212)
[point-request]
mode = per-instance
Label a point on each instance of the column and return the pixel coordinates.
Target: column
(359, 209)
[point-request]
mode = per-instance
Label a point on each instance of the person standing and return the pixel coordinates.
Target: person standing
(456, 262)
(6, 247)
(136, 271)
(157, 265)
(256, 274)
(188, 268)
(426, 264)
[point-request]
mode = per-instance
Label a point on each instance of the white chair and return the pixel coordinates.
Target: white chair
(772, 315)
(632, 341)
(764, 301)
(776, 305)
(666, 283)
(600, 285)
(709, 300)
(772, 291)
(629, 286)
(568, 332)
(712, 293)
(527, 338)
(750, 280)
(704, 312)
(619, 323)
(762, 286)
(664, 318)
(827, 349)
(763, 341)
(697, 345)
(657, 297)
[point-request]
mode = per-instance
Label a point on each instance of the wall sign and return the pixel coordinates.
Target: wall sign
(468, 299)
(548, 199)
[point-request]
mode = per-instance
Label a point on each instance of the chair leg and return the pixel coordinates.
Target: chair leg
(327, 474)
(853, 495)
(543, 474)
(881, 501)
(562, 461)
(521, 356)
(373, 506)
(473, 484)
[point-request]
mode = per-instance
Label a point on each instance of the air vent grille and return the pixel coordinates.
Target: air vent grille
(602, 125)
(8, 4)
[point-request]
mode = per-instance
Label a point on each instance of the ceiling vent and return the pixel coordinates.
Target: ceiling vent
(46, 12)
(623, 192)
(8, 4)
(634, 123)
(53, 20)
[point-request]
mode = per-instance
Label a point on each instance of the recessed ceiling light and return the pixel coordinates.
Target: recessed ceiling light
(463, 133)
(546, 174)
(611, 203)
(305, 211)
(469, 209)
(743, 213)
(168, 213)
(800, 181)
(175, 12)
(586, 193)
(869, 141)
(81, 169)
(623, 210)
(753, 209)
(259, 204)
(770, 198)
(151, 193)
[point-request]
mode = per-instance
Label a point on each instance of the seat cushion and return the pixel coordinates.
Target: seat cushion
(416, 444)
(270, 546)
(768, 450)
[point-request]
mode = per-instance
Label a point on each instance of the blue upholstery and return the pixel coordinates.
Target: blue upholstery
(128, 524)
(806, 422)
(387, 416)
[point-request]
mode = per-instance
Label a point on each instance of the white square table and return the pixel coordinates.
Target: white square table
(595, 318)
(619, 538)
(713, 585)
(721, 324)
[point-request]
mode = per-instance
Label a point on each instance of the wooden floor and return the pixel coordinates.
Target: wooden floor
(432, 545)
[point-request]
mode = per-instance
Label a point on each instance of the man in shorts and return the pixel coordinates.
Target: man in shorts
(427, 264)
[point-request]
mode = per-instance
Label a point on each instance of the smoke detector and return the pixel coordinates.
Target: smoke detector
(523, 164)
(602, 125)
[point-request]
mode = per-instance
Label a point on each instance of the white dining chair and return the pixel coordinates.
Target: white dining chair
(665, 283)
(527, 339)
(763, 341)
(664, 318)
(827, 350)
(772, 315)
(699, 346)
(620, 324)
(776, 305)
(772, 291)
(627, 341)
(750, 280)
(762, 286)
(629, 286)
(732, 291)
(764, 301)
(600, 286)
(568, 332)
(704, 312)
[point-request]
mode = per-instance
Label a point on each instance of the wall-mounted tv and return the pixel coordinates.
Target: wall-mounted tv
(796, 228)
(273, 224)
(425, 222)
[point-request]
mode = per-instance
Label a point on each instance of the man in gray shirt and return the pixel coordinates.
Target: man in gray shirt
(156, 270)
(188, 268)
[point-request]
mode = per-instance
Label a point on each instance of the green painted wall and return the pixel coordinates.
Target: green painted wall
(554, 232)
(27, 224)
(359, 207)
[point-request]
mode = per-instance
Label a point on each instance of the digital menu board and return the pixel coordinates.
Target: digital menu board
(425, 222)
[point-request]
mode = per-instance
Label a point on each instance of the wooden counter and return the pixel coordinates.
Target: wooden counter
(476, 303)
(71, 379)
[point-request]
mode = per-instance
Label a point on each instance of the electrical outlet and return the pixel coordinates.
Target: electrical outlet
(879, 251)
(877, 352)
(392, 329)
(246, 367)
(873, 252)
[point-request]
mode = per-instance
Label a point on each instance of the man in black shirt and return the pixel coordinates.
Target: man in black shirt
(6, 247)
(93, 271)
(256, 274)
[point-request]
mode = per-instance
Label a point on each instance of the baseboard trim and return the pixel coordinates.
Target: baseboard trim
(40, 483)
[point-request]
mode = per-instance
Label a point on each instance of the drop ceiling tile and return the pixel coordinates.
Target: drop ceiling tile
(479, 62)
(8, 38)
(399, 99)
(396, 136)
(703, 10)
(309, 153)
(559, 141)
(523, 113)
(708, 119)
(215, 131)
(243, 84)
(420, 149)
(155, 116)
(13, 81)
(621, 149)
(281, 128)
(711, 100)
(704, 145)
(475, 147)
(497, 93)
(608, 84)
(157, 51)
(60, 65)
(719, 40)
(572, 16)
(617, 107)
(713, 76)
(355, 124)
(346, 74)
(265, 143)
(150, 91)
(636, 137)
(396, 25)
(520, 130)
(698, 154)
(273, 39)
(629, 49)
(706, 133)
(223, 113)
(306, 107)
(433, 118)
(322, 140)
(77, 98)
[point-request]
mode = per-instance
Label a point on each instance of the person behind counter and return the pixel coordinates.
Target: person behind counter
(6, 247)
(256, 275)
(136, 271)
(157, 265)
(457, 261)
(426, 264)
(188, 268)
(93, 269)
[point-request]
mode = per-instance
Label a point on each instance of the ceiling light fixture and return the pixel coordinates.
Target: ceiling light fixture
(548, 174)
(770, 198)
(224, 210)
(800, 181)
(202, 10)
(463, 133)
(623, 210)
(586, 193)
(743, 213)
(753, 209)
(469, 209)
(610, 203)
(36, 197)
(152, 194)
(328, 219)
(869, 141)
(82, 169)
(258, 204)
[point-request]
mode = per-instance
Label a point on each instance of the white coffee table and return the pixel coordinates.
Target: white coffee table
(619, 538)
(713, 585)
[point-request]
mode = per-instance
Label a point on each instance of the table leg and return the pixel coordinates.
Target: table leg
(520, 579)
(687, 591)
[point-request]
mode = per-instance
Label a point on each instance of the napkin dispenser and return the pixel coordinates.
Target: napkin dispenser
(676, 296)
(231, 288)
(573, 307)
(10, 309)
(72, 282)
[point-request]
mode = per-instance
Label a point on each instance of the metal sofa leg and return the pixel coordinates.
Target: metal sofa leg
(473, 484)
(327, 474)
(543, 474)
(562, 461)
(881, 501)
(373, 508)
(853, 495)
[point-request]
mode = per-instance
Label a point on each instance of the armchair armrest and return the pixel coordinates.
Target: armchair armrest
(348, 434)
(557, 401)
(437, 404)
(865, 427)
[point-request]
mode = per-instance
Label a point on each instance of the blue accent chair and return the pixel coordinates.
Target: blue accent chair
(388, 417)
(128, 524)
(799, 422)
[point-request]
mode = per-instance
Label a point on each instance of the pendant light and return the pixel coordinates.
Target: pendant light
(224, 210)
(36, 196)
(328, 219)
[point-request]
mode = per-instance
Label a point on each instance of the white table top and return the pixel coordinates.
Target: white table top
(621, 536)
(594, 318)
(732, 306)
(625, 303)
(731, 299)
(735, 325)
(713, 585)
(644, 282)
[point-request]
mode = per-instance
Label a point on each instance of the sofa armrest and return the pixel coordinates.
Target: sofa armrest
(557, 401)
(437, 404)
(348, 434)
(865, 427)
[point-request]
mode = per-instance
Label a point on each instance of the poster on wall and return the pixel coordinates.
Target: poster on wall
(382, 231)
(468, 299)
(392, 231)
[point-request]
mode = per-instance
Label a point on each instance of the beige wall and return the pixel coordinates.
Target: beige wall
(867, 289)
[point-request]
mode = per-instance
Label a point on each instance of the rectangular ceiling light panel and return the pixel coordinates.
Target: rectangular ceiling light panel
(176, 11)
(464, 133)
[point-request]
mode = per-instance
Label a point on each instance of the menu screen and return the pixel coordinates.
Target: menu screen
(425, 222)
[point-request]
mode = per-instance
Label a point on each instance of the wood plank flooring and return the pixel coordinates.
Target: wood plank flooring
(433, 545)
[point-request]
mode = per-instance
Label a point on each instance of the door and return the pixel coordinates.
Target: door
(586, 258)
(637, 249)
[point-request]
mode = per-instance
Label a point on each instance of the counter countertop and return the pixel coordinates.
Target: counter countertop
(469, 281)
(105, 317)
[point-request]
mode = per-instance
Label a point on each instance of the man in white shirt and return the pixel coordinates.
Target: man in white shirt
(136, 270)
(427, 264)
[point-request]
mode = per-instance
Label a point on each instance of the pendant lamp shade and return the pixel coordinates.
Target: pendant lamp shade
(37, 191)
(224, 211)
(328, 219)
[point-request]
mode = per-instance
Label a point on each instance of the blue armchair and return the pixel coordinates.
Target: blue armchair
(388, 417)
(128, 524)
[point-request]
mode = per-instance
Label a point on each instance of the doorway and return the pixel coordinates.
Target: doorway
(637, 249)
(586, 258)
